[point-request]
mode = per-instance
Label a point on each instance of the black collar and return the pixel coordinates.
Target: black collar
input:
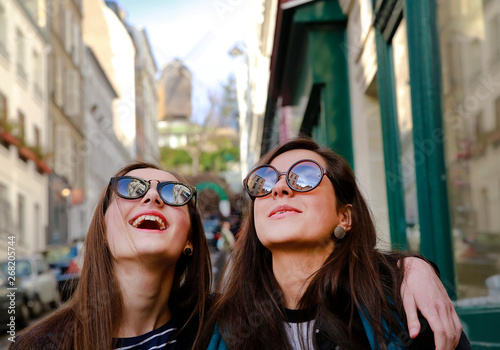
(300, 315)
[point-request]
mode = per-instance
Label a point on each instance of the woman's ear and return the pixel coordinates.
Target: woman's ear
(345, 216)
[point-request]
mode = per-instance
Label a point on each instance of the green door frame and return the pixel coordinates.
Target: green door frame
(209, 185)
(390, 130)
(425, 82)
(428, 135)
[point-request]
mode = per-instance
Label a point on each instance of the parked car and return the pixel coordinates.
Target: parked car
(64, 261)
(38, 281)
(20, 311)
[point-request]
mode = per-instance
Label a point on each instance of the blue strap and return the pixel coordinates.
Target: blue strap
(217, 342)
(393, 345)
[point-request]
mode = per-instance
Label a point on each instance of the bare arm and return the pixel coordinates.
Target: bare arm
(422, 289)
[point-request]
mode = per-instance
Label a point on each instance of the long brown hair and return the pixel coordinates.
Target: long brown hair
(249, 310)
(93, 314)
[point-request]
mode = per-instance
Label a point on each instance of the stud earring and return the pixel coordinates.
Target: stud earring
(188, 251)
(339, 232)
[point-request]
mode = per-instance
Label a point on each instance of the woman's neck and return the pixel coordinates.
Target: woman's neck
(294, 271)
(145, 292)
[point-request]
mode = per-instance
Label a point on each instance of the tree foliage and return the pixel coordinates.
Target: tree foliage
(180, 160)
(174, 158)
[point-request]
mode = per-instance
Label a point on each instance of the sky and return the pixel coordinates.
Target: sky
(199, 32)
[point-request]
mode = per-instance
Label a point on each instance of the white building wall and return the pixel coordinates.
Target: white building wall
(107, 36)
(146, 70)
(105, 154)
(25, 93)
(252, 78)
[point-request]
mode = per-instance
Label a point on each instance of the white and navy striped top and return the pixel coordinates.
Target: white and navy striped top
(160, 338)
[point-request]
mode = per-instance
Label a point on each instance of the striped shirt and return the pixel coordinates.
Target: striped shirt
(160, 338)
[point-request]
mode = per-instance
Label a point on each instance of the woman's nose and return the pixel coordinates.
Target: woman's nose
(152, 195)
(281, 187)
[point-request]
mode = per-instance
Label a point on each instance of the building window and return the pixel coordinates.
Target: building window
(479, 127)
(53, 5)
(68, 35)
(37, 74)
(72, 106)
(32, 7)
(21, 218)
(21, 54)
(62, 19)
(76, 44)
(3, 32)
(36, 226)
(37, 136)
(22, 125)
(63, 151)
(485, 203)
(5, 211)
(494, 41)
(475, 59)
(59, 72)
(3, 108)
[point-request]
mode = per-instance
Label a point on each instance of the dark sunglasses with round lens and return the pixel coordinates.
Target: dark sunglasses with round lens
(173, 193)
(303, 176)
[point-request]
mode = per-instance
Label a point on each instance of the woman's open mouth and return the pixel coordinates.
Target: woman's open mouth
(149, 222)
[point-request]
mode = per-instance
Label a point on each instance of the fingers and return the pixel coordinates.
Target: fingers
(458, 327)
(442, 319)
(421, 289)
(411, 315)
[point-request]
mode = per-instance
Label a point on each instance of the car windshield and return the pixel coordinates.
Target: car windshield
(23, 268)
(3, 278)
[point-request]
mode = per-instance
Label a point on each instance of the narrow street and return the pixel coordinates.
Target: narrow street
(4, 336)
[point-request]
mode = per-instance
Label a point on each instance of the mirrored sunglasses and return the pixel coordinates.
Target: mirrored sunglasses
(171, 192)
(303, 176)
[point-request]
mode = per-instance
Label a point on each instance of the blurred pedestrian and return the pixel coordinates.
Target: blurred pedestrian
(306, 274)
(225, 244)
(146, 270)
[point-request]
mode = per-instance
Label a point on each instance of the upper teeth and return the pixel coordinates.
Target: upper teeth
(143, 218)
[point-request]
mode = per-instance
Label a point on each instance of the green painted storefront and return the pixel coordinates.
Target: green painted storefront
(310, 61)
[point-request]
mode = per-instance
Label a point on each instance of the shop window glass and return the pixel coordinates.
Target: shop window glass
(472, 142)
(405, 124)
(494, 39)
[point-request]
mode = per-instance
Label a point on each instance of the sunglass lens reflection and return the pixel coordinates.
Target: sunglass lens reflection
(176, 194)
(261, 181)
(304, 176)
(131, 188)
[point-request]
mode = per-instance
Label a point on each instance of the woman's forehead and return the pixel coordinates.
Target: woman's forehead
(285, 160)
(152, 174)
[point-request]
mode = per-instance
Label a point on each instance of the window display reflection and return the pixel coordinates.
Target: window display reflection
(470, 52)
